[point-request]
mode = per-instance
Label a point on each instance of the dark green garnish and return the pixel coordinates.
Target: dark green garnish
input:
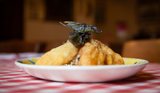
(81, 33)
(32, 62)
(135, 62)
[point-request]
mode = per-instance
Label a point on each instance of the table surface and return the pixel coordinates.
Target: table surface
(14, 80)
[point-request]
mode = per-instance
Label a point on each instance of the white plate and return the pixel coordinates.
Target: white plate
(84, 73)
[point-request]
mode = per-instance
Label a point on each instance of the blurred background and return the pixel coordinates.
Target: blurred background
(35, 23)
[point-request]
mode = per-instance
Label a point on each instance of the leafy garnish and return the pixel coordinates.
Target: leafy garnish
(81, 33)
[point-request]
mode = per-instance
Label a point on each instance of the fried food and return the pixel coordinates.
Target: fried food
(111, 56)
(96, 53)
(59, 56)
(91, 54)
(81, 49)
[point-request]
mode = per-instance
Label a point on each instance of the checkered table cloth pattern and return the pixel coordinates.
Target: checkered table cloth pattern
(14, 80)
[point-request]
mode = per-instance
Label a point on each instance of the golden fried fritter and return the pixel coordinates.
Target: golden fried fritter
(91, 54)
(111, 56)
(96, 53)
(59, 56)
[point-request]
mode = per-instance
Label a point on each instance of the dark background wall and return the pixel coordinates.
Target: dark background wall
(11, 19)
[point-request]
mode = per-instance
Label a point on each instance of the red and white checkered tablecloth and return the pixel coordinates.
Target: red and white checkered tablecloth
(14, 80)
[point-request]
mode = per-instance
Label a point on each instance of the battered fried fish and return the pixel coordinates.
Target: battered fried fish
(59, 56)
(96, 53)
(81, 49)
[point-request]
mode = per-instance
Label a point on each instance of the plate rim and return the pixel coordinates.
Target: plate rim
(144, 62)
